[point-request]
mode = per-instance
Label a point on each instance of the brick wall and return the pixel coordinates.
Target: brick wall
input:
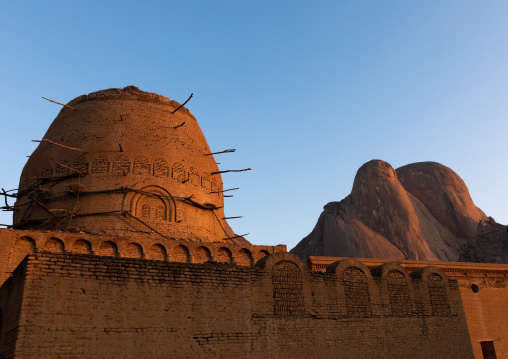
(485, 301)
(84, 306)
(484, 294)
(16, 244)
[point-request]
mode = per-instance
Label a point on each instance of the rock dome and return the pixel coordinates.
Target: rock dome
(421, 211)
(123, 162)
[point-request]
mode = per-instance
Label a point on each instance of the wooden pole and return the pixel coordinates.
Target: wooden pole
(215, 173)
(58, 103)
(216, 153)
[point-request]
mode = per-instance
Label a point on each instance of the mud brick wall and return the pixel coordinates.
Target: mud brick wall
(16, 244)
(11, 297)
(485, 300)
(483, 289)
(140, 166)
(85, 306)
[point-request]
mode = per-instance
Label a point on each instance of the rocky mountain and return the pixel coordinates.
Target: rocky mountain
(422, 211)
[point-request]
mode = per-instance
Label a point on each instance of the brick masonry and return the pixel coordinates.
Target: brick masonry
(87, 306)
(124, 163)
(483, 289)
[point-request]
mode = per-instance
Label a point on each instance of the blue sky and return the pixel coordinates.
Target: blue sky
(305, 91)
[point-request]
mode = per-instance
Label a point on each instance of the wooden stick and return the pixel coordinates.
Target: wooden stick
(72, 169)
(215, 173)
(232, 217)
(137, 219)
(7, 195)
(231, 189)
(62, 210)
(183, 104)
(216, 153)
(57, 144)
(180, 125)
(242, 235)
(58, 103)
(220, 224)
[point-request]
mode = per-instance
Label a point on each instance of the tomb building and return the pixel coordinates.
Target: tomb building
(124, 162)
(119, 249)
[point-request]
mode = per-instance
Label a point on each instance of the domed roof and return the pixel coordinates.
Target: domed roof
(124, 162)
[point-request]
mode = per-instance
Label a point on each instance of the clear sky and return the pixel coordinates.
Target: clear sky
(305, 91)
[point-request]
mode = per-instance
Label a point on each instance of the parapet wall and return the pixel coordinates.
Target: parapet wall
(16, 244)
(484, 293)
(81, 306)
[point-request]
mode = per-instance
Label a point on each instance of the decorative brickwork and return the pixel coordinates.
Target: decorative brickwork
(47, 171)
(438, 297)
(194, 176)
(400, 300)
(145, 211)
(88, 306)
(61, 168)
(124, 143)
(178, 172)
(287, 289)
(214, 188)
(356, 289)
(160, 168)
(141, 166)
(100, 166)
(81, 165)
(17, 244)
(205, 181)
(121, 165)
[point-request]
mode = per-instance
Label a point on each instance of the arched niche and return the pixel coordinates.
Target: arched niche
(180, 254)
(22, 247)
(108, 249)
(224, 255)
(157, 252)
(133, 250)
(286, 271)
(244, 258)
(397, 289)
(261, 254)
(153, 203)
(82, 246)
(202, 255)
(356, 282)
(436, 283)
(54, 245)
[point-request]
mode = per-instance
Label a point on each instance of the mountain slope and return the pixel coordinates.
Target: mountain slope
(422, 211)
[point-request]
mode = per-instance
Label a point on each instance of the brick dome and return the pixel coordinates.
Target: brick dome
(122, 163)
